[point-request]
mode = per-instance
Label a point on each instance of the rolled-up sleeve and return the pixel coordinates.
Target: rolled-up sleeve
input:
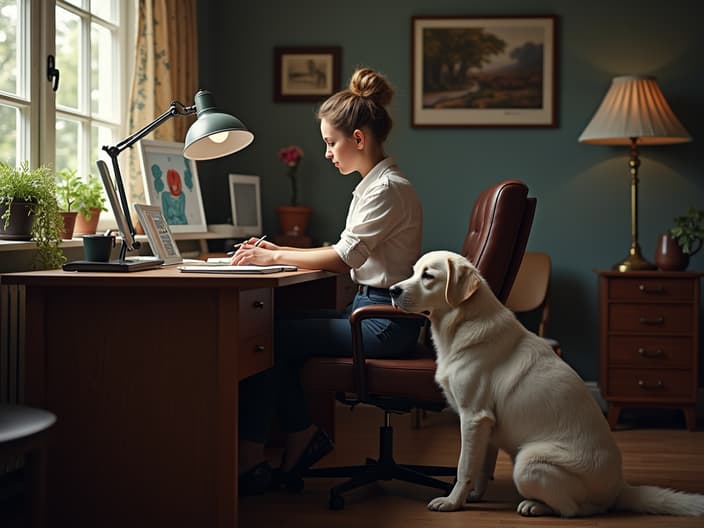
(358, 240)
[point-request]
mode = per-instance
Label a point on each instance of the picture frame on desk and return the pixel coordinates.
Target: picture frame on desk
(246, 205)
(483, 71)
(306, 73)
(171, 182)
(158, 233)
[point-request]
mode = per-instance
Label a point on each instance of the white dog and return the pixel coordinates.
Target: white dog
(512, 392)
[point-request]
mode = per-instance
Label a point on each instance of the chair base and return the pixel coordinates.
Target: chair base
(384, 468)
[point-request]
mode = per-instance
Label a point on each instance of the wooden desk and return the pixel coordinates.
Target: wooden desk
(141, 370)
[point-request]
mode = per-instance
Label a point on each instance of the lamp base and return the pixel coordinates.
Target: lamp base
(113, 266)
(634, 262)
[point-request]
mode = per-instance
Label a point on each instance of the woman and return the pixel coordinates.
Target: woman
(378, 246)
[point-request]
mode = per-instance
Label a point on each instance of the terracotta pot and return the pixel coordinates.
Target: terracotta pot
(85, 226)
(669, 256)
(69, 224)
(293, 220)
(21, 220)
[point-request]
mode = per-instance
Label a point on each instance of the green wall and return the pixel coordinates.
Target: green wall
(583, 214)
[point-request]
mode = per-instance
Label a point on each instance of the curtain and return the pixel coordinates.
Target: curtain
(165, 70)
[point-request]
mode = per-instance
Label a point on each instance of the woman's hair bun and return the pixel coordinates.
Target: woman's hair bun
(372, 85)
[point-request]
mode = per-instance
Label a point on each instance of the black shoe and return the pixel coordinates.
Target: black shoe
(319, 446)
(255, 481)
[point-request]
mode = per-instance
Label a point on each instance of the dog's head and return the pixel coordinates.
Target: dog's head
(441, 280)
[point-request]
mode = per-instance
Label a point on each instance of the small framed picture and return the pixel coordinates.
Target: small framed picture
(171, 182)
(245, 200)
(158, 233)
(483, 71)
(306, 74)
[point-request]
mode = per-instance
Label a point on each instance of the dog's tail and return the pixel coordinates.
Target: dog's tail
(655, 500)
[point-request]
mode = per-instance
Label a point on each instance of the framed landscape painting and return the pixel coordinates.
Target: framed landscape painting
(306, 74)
(483, 71)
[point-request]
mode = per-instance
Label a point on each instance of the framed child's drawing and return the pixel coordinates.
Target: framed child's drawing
(171, 182)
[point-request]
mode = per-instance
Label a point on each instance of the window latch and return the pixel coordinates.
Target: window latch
(52, 73)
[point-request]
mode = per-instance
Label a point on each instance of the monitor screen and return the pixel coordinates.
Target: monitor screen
(122, 224)
(245, 201)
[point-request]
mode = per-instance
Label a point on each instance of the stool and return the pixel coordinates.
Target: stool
(24, 431)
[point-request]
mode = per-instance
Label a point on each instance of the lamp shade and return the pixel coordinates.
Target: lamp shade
(634, 107)
(214, 134)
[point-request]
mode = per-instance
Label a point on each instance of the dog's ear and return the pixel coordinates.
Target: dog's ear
(462, 282)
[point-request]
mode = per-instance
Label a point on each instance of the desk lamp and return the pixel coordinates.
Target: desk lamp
(634, 112)
(213, 135)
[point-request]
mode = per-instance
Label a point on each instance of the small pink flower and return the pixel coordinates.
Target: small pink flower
(290, 155)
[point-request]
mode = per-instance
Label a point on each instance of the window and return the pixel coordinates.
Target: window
(89, 42)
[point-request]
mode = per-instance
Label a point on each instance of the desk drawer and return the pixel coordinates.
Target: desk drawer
(650, 351)
(650, 318)
(655, 289)
(255, 354)
(256, 313)
(650, 384)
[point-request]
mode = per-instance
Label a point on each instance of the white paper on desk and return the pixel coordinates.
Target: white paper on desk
(219, 268)
(225, 261)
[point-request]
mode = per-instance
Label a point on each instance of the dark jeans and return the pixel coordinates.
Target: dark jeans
(278, 393)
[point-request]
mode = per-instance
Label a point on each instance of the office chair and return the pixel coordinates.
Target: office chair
(499, 227)
(24, 431)
(531, 293)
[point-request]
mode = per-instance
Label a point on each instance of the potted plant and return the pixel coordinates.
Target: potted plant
(67, 185)
(90, 201)
(29, 210)
(293, 218)
(682, 241)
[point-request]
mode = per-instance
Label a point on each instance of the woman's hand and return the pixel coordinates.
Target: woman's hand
(248, 253)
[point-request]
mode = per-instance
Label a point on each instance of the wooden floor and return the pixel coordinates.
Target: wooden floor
(653, 453)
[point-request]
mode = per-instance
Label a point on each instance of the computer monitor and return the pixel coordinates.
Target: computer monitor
(245, 200)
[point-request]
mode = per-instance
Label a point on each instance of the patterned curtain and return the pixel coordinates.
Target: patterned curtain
(166, 70)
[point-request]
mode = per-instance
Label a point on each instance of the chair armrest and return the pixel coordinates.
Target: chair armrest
(375, 311)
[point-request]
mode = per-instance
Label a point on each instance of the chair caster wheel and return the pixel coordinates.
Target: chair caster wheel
(337, 502)
(295, 485)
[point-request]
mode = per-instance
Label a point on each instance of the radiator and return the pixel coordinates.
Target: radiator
(12, 303)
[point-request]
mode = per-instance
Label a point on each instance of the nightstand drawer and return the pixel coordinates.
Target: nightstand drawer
(650, 351)
(650, 318)
(255, 355)
(643, 289)
(645, 384)
(256, 312)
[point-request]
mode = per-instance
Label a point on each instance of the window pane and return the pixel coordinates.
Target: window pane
(103, 96)
(9, 119)
(8, 46)
(67, 144)
(68, 50)
(100, 136)
(106, 9)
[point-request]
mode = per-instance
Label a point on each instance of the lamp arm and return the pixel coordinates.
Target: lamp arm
(175, 108)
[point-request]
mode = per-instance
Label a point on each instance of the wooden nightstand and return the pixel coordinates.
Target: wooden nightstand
(649, 341)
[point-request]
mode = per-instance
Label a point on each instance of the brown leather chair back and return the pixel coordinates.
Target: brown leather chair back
(498, 233)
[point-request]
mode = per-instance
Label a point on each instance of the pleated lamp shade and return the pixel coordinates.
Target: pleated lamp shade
(634, 107)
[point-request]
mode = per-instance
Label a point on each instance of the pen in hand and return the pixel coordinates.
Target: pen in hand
(256, 244)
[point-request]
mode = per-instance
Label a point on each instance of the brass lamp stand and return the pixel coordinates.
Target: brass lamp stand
(634, 261)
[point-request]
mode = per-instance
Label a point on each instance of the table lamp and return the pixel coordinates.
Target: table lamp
(634, 112)
(214, 134)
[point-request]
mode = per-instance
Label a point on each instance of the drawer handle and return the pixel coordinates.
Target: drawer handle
(642, 352)
(645, 386)
(259, 348)
(653, 289)
(258, 304)
(652, 322)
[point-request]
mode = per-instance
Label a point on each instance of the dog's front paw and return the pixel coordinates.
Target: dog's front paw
(443, 504)
(532, 508)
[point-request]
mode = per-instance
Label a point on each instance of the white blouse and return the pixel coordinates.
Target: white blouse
(384, 228)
